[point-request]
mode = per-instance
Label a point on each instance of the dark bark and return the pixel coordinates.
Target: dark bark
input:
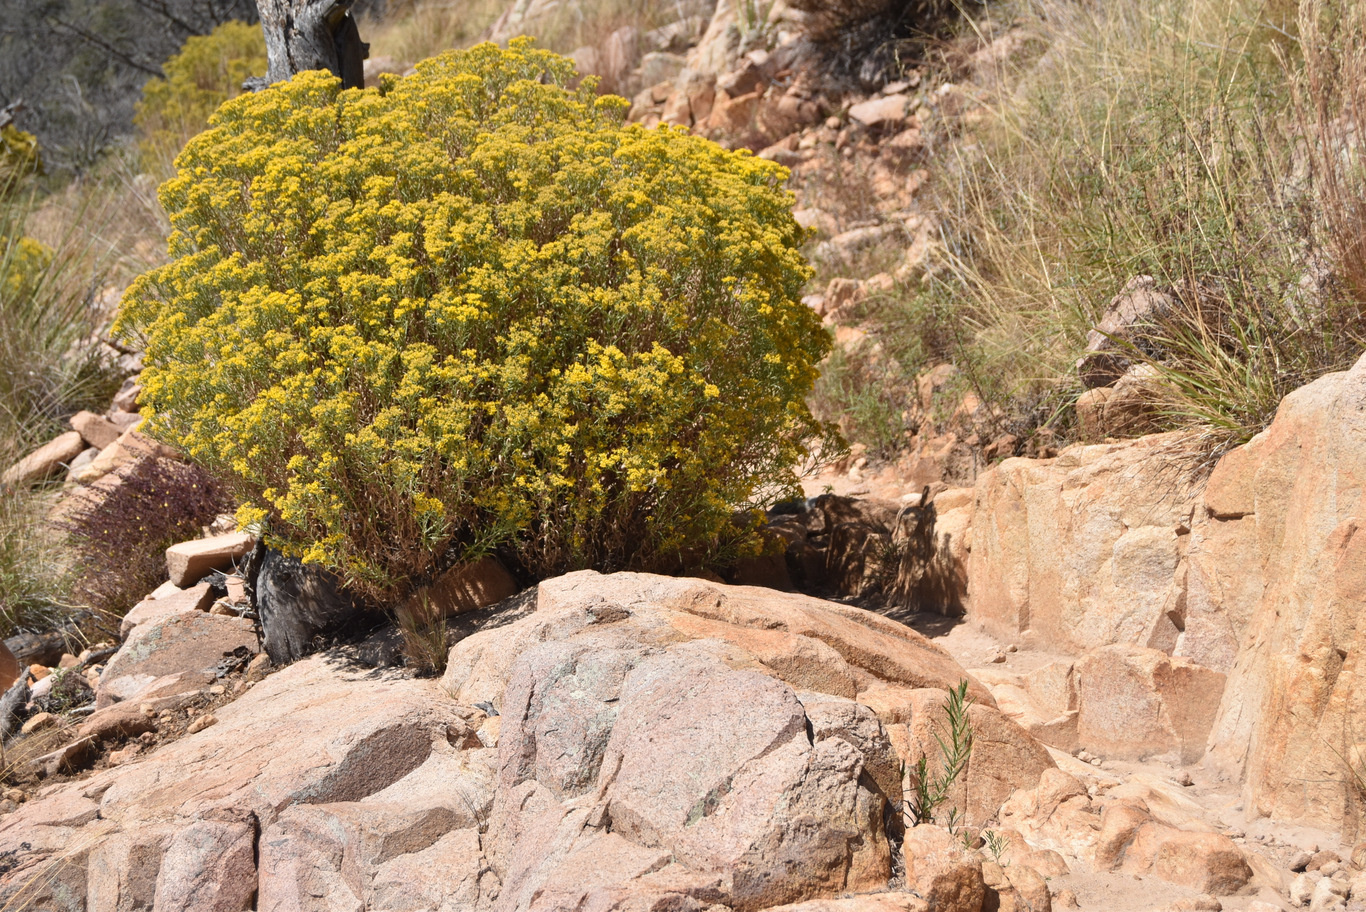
(11, 707)
(302, 607)
(311, 35)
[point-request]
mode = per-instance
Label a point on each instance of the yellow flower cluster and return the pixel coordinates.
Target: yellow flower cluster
(208, 71)
(23, 263)
(18, 157)
(471, 310)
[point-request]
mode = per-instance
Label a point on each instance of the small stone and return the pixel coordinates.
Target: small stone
(1301, 861)
(1012, 648)
(237, 591)
(68, 661)
(15, 795)
(39, 722)
(74, 757)
(258, 667)
(1319, 859)
(1065, 899)
(147, 709)
(1185, 779)
(6, 806)
(461, 736)
(218, 690)
(203, 722)
(1331, 868)
(1327, 894)
(39, 671)
(998, 658)
(119, 757)
(1302, 889)
(95, 430)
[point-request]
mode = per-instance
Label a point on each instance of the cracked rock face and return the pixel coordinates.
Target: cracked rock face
(656, 742)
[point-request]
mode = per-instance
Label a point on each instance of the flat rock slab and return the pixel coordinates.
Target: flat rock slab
(188, 562)
(189, 642)
(878, 112)
(167, 604)
(638, 742)
(316, 732)
(96, 430)
(44, 461)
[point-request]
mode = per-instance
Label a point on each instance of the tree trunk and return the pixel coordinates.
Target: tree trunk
(311, 35)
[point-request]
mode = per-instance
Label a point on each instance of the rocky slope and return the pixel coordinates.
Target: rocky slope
(1161, 660)
(1160, 672)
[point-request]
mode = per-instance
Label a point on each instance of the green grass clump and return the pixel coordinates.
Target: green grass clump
(1200, 142)
(472, 310)
(48, 370)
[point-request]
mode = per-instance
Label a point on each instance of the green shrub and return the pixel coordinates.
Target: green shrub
(208, 71)
(472, 310)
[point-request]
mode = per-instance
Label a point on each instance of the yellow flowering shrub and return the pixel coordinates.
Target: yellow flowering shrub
(471, 310)
(18, 157)
(208, 71)
(23, 262)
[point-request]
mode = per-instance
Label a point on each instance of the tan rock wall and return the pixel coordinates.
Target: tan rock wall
(1085, 550)
(1277, 541)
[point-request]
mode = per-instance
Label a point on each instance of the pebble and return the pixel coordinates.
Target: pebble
(123, 756)
(1320, 859)
(14, 795)
(1302, 889)
(39, 722)
(1185, 779)
(1012, 648)
(218, 690)
(998, 658)
(203, 722)
(1300, 861)
(258, 667)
